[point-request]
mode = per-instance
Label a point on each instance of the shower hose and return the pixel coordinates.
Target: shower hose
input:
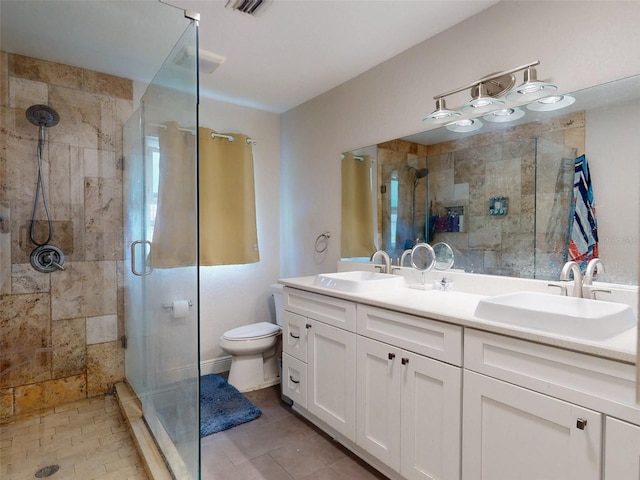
(40, 190)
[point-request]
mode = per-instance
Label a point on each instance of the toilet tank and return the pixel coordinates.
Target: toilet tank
(276, 289)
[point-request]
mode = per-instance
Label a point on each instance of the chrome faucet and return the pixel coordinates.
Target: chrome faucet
(591, 270)
(588, 291)
(404, 255)
(386, 268)
(569, 267)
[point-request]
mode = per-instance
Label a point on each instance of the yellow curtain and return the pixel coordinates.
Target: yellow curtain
(357, 207)
(174, 233)
(228, 233)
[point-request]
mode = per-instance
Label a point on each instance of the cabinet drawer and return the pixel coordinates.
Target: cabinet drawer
(336, 312)
(420, 335)
(597, 383)
(294, 380)
(294, 335)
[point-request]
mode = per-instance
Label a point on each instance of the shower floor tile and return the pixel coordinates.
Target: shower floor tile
(279, 445)
(87, 440)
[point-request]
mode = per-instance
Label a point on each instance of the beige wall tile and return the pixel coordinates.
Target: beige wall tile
(6, 403)
(99, 163)
(24, 339)
(68, 339)
(80, 117)
(102, 329)
(24, 93)
(4, 79)
(25, 279)
(29, 398)
(103, 83)
(43, 71)
(105, 366)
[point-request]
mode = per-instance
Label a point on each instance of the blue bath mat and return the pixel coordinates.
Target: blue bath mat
(222, 406)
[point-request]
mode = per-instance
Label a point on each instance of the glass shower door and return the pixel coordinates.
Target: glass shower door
(161, 266)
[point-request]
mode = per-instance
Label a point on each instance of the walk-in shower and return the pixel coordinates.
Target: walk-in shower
(45, 258)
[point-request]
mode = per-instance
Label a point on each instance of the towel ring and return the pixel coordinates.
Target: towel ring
(323, 237)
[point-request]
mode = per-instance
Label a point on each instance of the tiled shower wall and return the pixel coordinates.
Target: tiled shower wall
(59, 332)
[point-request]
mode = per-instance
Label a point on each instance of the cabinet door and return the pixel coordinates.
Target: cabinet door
(378, 400)
(294, 335)
(622, 451)
(513, 433)
(331, 375)
(430, 419)
(294, 380)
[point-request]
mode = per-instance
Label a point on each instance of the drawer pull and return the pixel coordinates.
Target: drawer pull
(293, 336)
(581, 424)
(294, 381)
(308, 325)
(405, 361)
(392, 356)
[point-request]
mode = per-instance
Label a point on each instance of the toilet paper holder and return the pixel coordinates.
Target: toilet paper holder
(169, 306)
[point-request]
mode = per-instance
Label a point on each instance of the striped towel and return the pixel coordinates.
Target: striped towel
(583, 235)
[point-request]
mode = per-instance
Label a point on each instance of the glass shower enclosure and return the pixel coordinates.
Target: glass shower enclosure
(161, 263)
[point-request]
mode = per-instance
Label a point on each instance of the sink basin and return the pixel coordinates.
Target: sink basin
(568, 316)
(359, 281)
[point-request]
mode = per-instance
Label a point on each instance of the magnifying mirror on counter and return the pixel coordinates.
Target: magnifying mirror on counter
(423, 259)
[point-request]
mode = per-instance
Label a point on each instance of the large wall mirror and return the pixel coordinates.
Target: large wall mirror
(502, 195)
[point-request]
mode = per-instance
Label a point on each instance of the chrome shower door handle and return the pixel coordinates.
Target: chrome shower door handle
(133, 258)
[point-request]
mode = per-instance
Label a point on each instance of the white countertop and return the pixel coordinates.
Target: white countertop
(458, 308)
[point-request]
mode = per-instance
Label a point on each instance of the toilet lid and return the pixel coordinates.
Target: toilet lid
(255, 330)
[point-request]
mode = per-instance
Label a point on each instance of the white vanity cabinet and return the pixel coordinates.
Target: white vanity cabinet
(408, 405)
(622, 452)
(511, 432)
(319, 357)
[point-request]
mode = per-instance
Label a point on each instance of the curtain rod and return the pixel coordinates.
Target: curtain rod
(180, 129)
(250, 141)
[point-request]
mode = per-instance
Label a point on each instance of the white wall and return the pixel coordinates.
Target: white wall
(235, 295)
(613, 151)
(579, 44)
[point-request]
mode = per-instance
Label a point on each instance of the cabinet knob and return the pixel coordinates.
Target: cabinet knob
(294, 381)
(581, 423)
(293, 336)
(405, 361)
(308, 325)
(392, 356)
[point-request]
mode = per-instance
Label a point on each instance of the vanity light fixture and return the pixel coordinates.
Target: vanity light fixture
(554, 102)
(482, 101)
(531, 88)
(441, 114)
(465, 125)
(485, 94)
(504, 115)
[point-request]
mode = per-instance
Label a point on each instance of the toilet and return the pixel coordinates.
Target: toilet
(255, 350)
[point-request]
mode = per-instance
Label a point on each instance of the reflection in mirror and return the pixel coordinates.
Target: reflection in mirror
(444, 256)
(422, 258)
(502, 196)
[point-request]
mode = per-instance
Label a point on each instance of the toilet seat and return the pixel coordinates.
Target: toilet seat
(252, 332)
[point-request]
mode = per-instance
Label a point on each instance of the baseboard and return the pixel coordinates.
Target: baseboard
(215, 365)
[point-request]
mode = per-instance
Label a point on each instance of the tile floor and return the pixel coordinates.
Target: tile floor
(279, 445)
(87, 439)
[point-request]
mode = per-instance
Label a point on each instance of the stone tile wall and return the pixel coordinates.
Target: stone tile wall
(59, 332)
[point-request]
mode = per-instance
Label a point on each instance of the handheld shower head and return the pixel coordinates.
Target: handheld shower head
(421, 173)
(42, 115)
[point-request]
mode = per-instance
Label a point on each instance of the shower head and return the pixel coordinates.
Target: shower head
(42, 115)
(421, 173)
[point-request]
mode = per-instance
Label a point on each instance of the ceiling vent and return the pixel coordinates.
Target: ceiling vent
(250, 7)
